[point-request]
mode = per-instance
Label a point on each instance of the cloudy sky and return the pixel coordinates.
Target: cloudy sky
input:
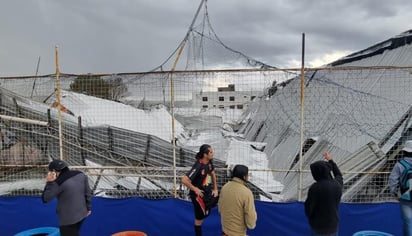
(111, 36)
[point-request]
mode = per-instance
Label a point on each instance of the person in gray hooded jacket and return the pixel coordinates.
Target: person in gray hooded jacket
(71, 188)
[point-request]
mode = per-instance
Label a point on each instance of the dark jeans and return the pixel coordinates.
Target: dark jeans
(406, 211)
(71, 230)
(313, 233)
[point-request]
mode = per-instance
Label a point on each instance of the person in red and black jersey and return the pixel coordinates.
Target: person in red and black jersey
(201, 180)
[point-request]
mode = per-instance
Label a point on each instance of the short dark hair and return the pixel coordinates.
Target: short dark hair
(240, 171)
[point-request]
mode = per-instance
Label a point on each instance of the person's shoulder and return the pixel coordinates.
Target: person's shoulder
(197, 163)
(316, 185)
(401, 163)
(248, 192)
(244, 187)
(79, 174)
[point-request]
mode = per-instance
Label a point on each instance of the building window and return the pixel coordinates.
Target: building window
(239, 106)
(251, 98)
(221, 106)
(232, 106)
(232, 98)
(204, 99)
(204, 106)
(221, 99)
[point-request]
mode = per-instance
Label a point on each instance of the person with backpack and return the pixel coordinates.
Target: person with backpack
(399, 185)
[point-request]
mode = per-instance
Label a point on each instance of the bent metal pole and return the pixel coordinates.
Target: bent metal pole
(302, 109)
(59, 112)
(172, 95)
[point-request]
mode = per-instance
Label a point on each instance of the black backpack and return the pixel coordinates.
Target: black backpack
(406, 181)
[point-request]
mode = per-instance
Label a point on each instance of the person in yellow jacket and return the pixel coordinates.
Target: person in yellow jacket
(236, 204)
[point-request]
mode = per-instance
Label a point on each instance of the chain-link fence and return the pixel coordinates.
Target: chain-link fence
(137, 134)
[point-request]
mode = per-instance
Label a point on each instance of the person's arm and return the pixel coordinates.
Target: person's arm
(52, 189)
(308, 203)
(335, 170)
(187, 180)
(88, 196)
(215, 192)
(394, 179)
(188, 183)
(250, 211)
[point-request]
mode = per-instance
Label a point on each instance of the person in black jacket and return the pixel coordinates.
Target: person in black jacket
(322, 202)
(71, 188)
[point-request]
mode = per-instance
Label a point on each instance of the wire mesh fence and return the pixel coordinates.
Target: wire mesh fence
(137, 134)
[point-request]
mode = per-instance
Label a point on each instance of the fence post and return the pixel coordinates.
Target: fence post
(110, 136)
(302, 109)
(146, 153)
(81, 141)
(182, 156)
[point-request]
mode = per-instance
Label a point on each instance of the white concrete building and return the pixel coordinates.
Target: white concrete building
(224, 98)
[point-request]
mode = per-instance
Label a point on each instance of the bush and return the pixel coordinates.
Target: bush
(94, 85)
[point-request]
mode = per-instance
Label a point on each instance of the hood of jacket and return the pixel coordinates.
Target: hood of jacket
(321, 170)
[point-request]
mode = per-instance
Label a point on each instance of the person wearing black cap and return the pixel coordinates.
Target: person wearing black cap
(71, 188)
(322, 202)
(201, 180)
(403, 195)
(236, 204)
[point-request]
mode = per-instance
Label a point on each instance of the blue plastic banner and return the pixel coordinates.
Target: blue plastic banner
(175, 217)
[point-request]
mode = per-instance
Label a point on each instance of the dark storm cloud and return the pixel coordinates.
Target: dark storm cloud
(138, 35)
(275, 27)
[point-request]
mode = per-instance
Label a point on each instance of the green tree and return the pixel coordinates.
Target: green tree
(94, 85)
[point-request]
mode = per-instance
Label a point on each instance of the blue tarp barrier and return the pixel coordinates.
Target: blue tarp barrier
(175, 217)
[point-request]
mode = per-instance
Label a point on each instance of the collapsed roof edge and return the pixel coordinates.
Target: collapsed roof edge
(389, 44)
